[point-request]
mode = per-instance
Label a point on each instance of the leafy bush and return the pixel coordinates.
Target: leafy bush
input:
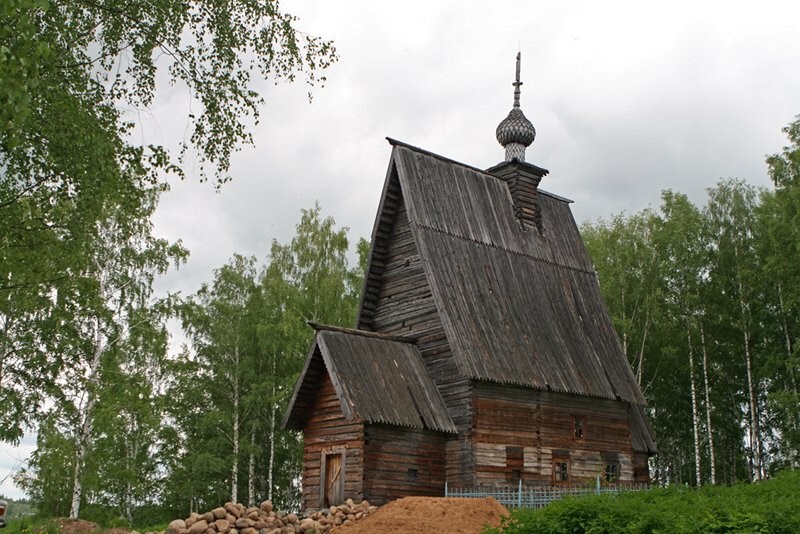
(771, 507)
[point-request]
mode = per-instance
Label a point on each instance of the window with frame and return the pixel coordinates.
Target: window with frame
(612, 472)
(578, 427)
(560, 470)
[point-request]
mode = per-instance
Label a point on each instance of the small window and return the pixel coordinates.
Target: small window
(612, 473)
(412, 474)
(577, 427)
(561, 470)
(514, 464)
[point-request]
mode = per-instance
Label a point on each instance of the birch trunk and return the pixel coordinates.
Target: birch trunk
(640, 367)
(624, 323)
(271, 435)
(788, 341)
(127, 497)
(695, 417)
(87, 424)
(755, 431)
(789, 366)
(270, 474)
(235, 434)
(251, 471)
(712, 460)
(129, 503)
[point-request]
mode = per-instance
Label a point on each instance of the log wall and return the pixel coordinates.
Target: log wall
(641, 467)
(404, 305)
(541, 423)
(400, 462)
(327, 431)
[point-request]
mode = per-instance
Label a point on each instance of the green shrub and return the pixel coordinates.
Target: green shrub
(769, 507)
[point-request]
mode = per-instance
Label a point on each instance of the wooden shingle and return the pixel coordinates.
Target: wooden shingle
(518, 307)
(377, 380)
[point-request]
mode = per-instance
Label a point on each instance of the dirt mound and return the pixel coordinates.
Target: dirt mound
(75, 526)
(429, 515)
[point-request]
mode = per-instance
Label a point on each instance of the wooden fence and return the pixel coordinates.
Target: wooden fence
(537, 496)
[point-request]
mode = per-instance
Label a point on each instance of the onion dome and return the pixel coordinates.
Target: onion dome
(515, 133)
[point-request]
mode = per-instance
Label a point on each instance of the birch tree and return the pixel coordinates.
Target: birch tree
(74, 76)
(627, 264)
(731, 214)
(307, 279)
(683, 250)
(249, 339)
(217, 321)
(107, 321)
(778, 239)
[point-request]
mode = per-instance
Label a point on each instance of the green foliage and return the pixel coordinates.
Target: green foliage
(249, 340)
(83, 344)
(167, 436)
(71, 73)
(767, 507)
(784, 168)
(706, 302)
(50, 487)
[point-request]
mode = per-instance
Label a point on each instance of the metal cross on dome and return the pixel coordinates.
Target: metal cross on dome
(517, 83)
(515, 132)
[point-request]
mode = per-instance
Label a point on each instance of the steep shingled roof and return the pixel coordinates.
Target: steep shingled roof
(378, 379)
(517, 307)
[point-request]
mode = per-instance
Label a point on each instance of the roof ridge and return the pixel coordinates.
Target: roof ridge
(504, 249)
(363, 333)
(395, 142)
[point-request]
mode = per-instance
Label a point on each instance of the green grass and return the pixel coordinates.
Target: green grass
(33, 524)
(770, 507)
(30, 525)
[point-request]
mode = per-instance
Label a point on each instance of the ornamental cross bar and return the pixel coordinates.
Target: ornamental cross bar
(517, 83)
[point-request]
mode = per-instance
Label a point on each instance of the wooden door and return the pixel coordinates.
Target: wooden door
(334, 480)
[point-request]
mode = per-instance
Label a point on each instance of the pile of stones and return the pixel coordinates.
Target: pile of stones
(238, 519)
(344, 514)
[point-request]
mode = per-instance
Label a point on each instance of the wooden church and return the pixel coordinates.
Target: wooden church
(483, 352)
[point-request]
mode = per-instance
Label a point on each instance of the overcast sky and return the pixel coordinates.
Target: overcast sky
(628, 99)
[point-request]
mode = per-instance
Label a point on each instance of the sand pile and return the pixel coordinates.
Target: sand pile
(429, 515)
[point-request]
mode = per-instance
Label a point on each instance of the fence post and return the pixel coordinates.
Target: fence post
(445, 488)
(519, 494)
(597, 484)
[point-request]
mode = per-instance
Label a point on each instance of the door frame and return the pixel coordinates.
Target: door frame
(323, 475)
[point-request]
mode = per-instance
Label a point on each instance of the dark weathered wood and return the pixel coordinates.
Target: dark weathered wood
(504, 292)
(377, 259)
(376, 378)
(361, 333)
(401, 462)
(641, 469)
(540, 423)
(523, 184)
(405, 305)
(328, 431)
